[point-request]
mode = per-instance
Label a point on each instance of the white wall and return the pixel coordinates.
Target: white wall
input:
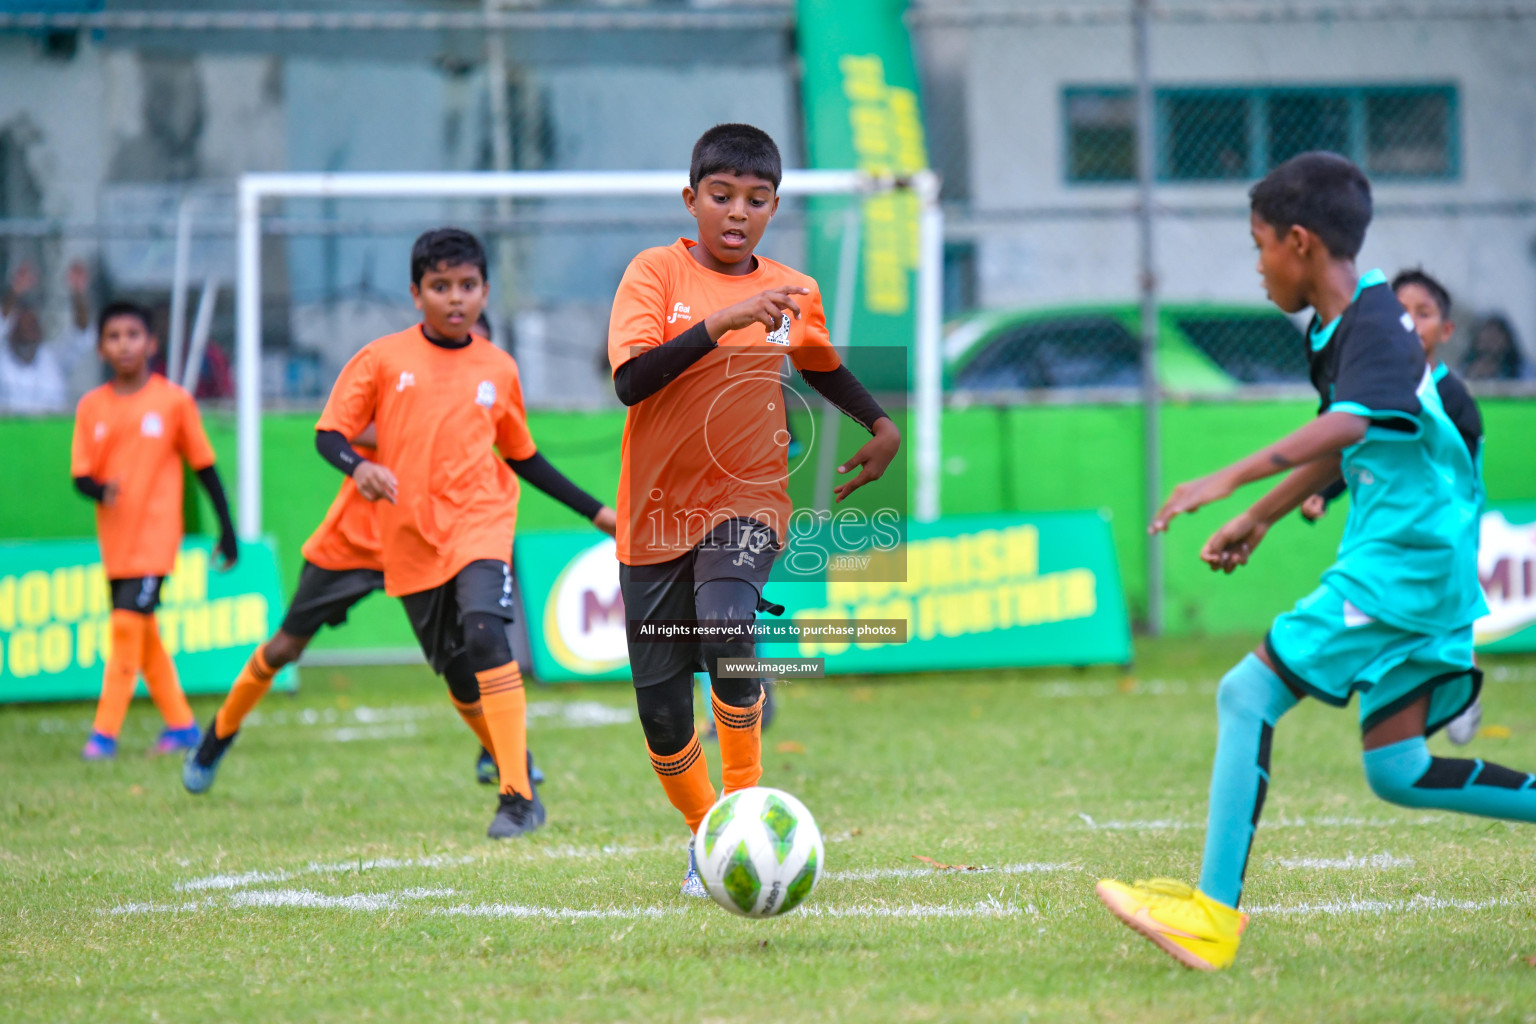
(1017, 157)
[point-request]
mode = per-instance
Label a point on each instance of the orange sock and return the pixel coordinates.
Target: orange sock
(505, 708)
(685, 777)
(122, 671)
(250, 686)
(160, 677)
(740, 731)
(474, 717)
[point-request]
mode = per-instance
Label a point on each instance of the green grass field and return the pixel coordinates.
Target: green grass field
(338, 870)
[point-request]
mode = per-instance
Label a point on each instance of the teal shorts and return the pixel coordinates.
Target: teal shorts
(1330, 649)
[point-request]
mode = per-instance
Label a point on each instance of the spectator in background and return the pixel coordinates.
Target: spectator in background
(1494, 353)
(32, 374)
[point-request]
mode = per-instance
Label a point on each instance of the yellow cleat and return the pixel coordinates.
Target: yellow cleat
(1184, 922)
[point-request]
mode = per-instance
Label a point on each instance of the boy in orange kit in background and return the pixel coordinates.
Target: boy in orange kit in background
(452, 441)
(131, 435)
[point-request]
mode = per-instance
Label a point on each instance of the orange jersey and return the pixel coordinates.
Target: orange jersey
(712, 444)
(348, 536)
(441, 415)
(138, 441)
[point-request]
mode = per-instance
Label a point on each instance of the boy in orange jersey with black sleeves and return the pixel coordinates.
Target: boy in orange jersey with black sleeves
(698, 334)
(448, 411)
(131, 435)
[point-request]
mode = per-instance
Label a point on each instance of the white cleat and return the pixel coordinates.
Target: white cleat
(1463, 728)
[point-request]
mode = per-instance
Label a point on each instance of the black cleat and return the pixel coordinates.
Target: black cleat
(201, 766)
(516, 816)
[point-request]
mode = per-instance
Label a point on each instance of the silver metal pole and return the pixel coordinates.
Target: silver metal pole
(1151, 389)
(248, 357)
(176, 344)
(202, 326)
(930, 341)
(842, 328)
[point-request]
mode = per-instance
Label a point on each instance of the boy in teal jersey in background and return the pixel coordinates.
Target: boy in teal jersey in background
(1393, 618)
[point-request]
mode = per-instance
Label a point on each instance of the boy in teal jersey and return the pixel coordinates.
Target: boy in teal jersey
(1393, 618)
(1428, 302)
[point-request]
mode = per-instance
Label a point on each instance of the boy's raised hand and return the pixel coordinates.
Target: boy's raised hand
(1188, 497)
(375, 481)
(766, 308)
(229, 551)
(872, 459)
(1231, 546)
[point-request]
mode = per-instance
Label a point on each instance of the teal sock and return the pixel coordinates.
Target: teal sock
(1406, 774)
(1249, 702)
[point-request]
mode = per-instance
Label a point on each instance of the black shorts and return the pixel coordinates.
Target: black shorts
(437, 615)
(741, 549)
(325, 596)
(136, 594)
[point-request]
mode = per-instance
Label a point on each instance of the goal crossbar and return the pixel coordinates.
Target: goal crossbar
(254, 188)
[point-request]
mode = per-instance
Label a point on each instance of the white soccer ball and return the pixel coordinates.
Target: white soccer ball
(759, 852)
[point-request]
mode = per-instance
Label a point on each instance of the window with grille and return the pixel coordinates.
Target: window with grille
(1215, 134)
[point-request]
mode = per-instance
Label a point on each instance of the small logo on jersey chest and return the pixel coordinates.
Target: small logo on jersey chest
(1406, 321)
(485, 394)
(407, 379)
(680, 312)
(100, 431)
(780, 336)
(151, 425)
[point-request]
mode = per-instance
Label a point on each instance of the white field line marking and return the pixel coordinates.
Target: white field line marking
(1171, 825)
(310, 899)
(1349, 862)
(247, 879)
(1416, 905)
(871, 874)
(1140, 688)
(556, 913)
(152, 908)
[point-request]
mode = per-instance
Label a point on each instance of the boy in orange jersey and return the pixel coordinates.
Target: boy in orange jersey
(341, 567)
(131, 435)
(448, 411)
(698, 335)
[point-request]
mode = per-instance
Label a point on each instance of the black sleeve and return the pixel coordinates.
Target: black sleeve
(91, 488)
(209, 478)
(1461, 407)
(843, 390)
(537, 470)
(334, 448)
(1380, 368)
(1333, 490)
(655, 368)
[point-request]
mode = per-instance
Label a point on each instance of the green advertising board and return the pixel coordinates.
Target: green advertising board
(860, 93)
(55, 609)
(981, 591)
(1506, 564)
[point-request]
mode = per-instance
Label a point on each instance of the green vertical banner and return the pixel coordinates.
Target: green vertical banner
(861, 111)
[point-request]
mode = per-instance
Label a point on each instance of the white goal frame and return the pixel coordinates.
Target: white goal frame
(253, 188)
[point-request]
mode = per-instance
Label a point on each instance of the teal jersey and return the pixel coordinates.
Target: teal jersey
(1408, 556)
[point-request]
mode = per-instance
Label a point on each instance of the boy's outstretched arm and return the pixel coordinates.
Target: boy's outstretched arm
(1233, 544)
(229, 547)
(848, 395)
(373, 480)
(1327, 435)
(540, 472)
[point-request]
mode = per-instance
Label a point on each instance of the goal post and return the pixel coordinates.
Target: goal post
(926, 398)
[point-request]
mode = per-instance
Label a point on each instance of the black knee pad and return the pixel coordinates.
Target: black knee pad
(485, 641)
(461, 680)
(719, 603)
(666, 714)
